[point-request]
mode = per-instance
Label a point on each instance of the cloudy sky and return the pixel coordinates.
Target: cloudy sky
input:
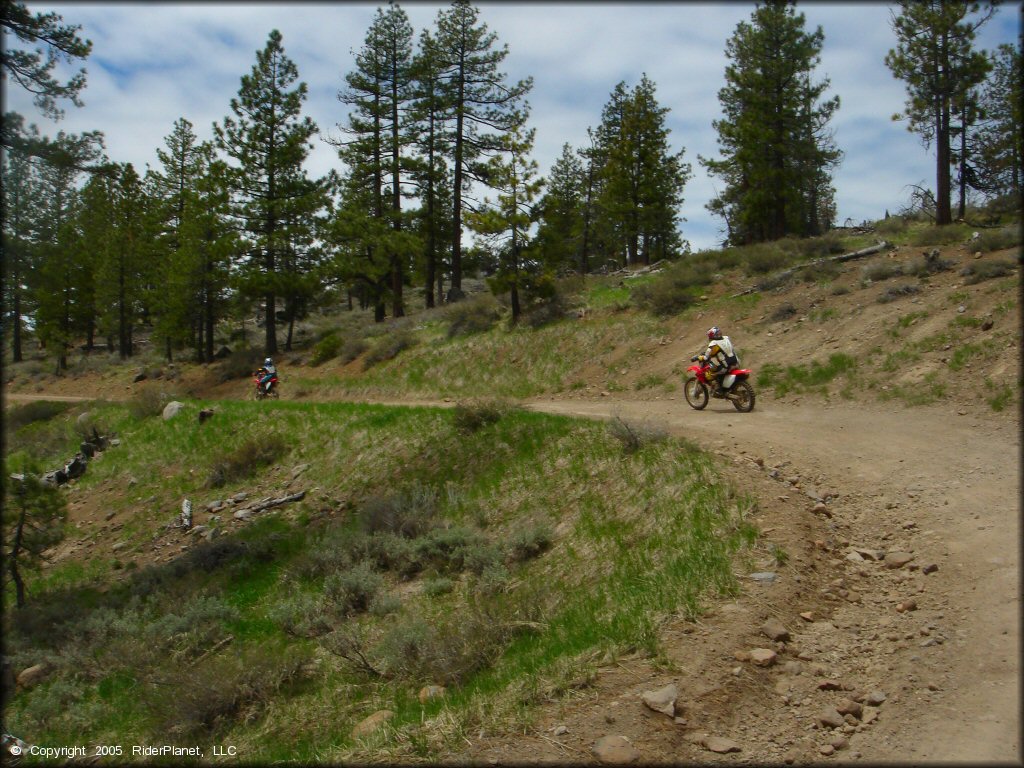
(153, 63)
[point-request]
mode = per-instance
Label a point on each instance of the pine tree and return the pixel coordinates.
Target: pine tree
(1000, 143)
(483, 107)
(560, 236)
(777, 150)
(430, 174)
(506, 223)
(380, 92)
(268, 139)
(934, 56)
(56, 288)
(33, 69)
(33, 518)
(21, 205)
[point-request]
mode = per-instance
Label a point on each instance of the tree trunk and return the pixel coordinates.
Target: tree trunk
(271, 335)
(16, 331)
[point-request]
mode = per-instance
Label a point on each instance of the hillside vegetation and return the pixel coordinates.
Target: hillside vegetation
(495, 552)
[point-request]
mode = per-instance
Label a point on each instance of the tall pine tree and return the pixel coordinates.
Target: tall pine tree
(268, 140)
(774, 138)
(936, 59)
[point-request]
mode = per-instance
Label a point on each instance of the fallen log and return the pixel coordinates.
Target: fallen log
(247, 512)
(881, 246)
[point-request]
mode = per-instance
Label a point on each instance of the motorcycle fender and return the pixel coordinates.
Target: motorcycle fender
(729, 380)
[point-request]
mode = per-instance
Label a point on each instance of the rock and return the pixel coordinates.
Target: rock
(906, 605)
(221, 353)
(807, 616)
(109, 516)
(762, 657)
(830, 718)
(775, 630)
(615, 750)
(32, 675)
(119, 546)
(869, 554)
(875, 698)
(560, 730)
(930, 568)
(720, 745)
(372, 723)
(827, 749)
(243, 514)
(855, 557)
(199, 529)
(849, 707)
(83, 420)
(663, 700)
(895, 560)
(741, 655)
(870, 715)
(140, 376)
(764, 577)
(211, 534)
(299, 470)
(172, 409)
(204, 414)
(840, 742)
(830, 685)
(987, 325)
(429, 692)
(115, 442)
(821, 509)
(242, 496)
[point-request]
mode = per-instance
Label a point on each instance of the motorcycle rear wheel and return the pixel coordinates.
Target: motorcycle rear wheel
(696, 394)
(742, 397)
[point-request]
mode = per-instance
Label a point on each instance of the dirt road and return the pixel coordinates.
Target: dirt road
(937, 482)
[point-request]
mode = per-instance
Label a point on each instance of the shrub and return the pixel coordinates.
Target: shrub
(987, 270)
(388, 348)
(148, 401)
(895, 292)
(893, 225)
(437, 587)
(328, 347)
(409, 513)
(239, 364)
(633, 436)
(672, 291)
(999, 239)
(226, 688)
(827, 270)
(29, 413)
(840, 290)
(301, 615)
(352, 591)
(474, 415)
(881, 270)
(530, 542)
(545, 312)
(783, 312)
(947, 234)
(762, 258)
(245, 460)
(352, 349)
(476, 314)
(447, 549)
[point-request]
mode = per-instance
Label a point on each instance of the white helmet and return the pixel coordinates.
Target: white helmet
(268, 362)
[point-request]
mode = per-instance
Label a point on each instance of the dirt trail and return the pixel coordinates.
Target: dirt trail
(952, 485)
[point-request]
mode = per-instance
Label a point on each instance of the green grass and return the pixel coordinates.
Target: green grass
(814, 376)
(641, 535)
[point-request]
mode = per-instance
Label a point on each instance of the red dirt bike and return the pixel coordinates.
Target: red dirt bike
(701, 385)
(270, 390)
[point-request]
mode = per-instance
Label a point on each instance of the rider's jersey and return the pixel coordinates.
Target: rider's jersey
(721, 354)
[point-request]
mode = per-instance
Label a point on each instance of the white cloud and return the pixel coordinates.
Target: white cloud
(153, 63)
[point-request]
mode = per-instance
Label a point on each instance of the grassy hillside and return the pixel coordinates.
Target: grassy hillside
(497, 552)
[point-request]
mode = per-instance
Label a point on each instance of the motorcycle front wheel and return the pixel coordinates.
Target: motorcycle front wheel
(696, 394)
(742, 397)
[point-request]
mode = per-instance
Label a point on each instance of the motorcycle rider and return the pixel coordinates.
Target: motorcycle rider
(266, 373)
(720, 354)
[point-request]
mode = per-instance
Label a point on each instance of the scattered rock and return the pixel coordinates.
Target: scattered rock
(775, 630)
(140, 376)
(830, 718)
(32, 675)
(830, 685)
(241, 496)
(870, 715)
(429, 692)
(720, 745)
(560, 730)
(764, 577)
(906, 605)
(214, 506)
(987, 325)
(172, 409)
(762, 657)
(372, 723)
(895, 560)
(840, 742)
(615, 750)
(119, 546)
(663, 700)
(807, 616)
(849, 707)
(827, 749)
(930, 568)
(299, 470)
(875, 698)
(109, 516)
(204, 414)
